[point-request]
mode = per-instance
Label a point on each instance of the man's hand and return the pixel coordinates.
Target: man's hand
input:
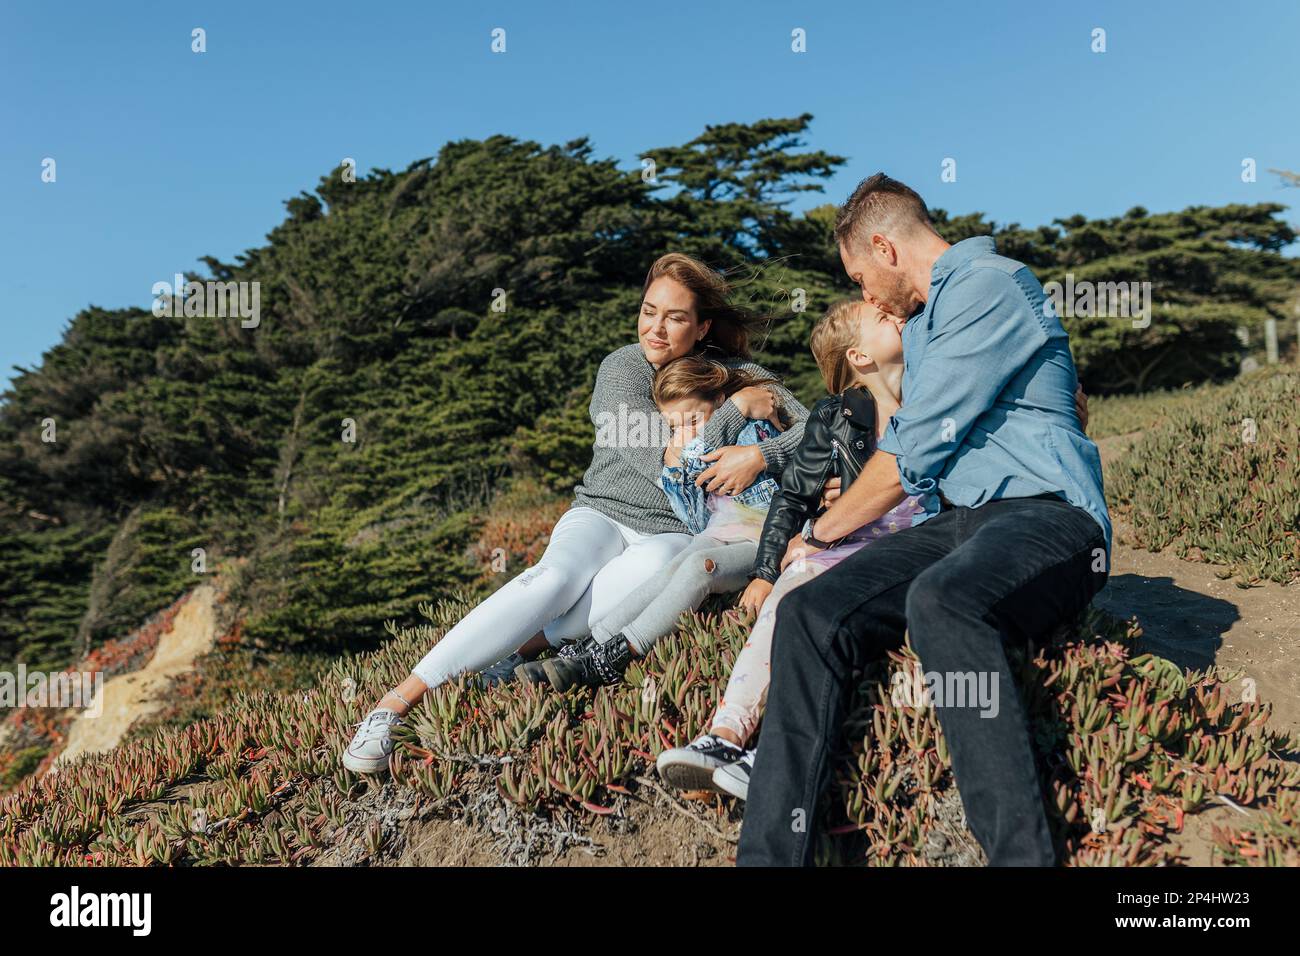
(796, 549)
(755, 595)
(733, 470)
(1081, 406)
(830, 492)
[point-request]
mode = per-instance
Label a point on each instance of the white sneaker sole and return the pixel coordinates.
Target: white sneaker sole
(687, 772)
(364, 764)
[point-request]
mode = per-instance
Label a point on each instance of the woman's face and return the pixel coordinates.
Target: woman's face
(688, 412)
(880, 336)
(669, 326)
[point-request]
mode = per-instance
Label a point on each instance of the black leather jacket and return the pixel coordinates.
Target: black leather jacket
(838, 438)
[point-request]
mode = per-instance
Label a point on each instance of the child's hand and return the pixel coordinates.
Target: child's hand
(830, 491)
(755, 595)
(757, 402)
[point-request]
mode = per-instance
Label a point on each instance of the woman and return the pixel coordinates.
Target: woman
(620, 529)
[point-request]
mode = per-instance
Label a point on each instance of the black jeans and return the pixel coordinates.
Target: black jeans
(962, 583)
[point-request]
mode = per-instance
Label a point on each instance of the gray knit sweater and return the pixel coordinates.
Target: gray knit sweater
(627, 456)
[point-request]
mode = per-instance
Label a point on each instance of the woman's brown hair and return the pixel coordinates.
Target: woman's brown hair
(832, 338)
(731, 326)
(694, 376)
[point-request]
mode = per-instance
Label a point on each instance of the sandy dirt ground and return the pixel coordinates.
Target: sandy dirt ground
(128, 697)
(1191, 616)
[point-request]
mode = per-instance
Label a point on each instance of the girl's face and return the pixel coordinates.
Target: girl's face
(688, 412)
(668, 326)
(880, 336)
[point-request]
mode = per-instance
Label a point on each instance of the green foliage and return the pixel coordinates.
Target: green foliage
(44, 589)
(1211, 271)
(146, 566)
(380, 314)
(554, 451)
(1129, 744)
(1218, 479)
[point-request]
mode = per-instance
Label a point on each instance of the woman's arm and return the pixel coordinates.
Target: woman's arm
(615, 387)
(778, 451)
(735, 468)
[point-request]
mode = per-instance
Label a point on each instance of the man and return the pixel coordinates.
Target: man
(1015, 540)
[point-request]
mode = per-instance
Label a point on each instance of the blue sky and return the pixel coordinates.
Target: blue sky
(164, 155)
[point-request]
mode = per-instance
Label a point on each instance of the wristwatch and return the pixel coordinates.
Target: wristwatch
(810, 538)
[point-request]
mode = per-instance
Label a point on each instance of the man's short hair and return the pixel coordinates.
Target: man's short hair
(880, 204)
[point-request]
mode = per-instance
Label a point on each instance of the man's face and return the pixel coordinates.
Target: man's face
(874, 268)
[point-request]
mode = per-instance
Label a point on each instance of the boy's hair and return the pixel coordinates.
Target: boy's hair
(880, 204)
(731, 325)
(832, 337)
(694, 375)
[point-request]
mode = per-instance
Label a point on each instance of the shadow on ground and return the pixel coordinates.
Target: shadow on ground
(1185, 626)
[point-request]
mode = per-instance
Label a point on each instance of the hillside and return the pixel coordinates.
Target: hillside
(343, 475)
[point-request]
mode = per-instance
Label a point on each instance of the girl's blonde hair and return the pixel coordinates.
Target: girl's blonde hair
(694, 376)
(731, 325)
(833, 336)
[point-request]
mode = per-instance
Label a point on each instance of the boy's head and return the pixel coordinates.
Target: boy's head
(688, 390)
(853, 340)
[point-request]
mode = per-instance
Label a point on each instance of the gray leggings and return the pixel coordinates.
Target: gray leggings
(708, 565)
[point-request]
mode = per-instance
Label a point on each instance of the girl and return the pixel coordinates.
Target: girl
(688, 392)
(620, 529)
(859, 351)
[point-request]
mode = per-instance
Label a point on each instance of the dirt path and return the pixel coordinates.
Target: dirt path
(128, 697)
(1196, 619)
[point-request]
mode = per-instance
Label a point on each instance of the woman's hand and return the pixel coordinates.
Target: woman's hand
(757, 402)
(830, 491)
(755, 595)
(733, 470)
(1081, 406)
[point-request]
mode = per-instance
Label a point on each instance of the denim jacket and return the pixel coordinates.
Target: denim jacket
(690, 502)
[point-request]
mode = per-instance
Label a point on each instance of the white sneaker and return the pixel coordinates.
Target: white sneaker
(733, 778)
(692, 767)
(372, 743)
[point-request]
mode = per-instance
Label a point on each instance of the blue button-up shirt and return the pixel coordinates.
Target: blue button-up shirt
(988, 391)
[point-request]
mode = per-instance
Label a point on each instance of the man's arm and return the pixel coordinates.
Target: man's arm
(871, 496)
(977, 346)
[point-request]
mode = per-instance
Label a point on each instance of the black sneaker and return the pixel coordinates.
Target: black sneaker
(502, 672)
(692, 767)
(598, 665)
(531, 672)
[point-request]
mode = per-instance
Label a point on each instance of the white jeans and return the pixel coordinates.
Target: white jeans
(591, 563)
